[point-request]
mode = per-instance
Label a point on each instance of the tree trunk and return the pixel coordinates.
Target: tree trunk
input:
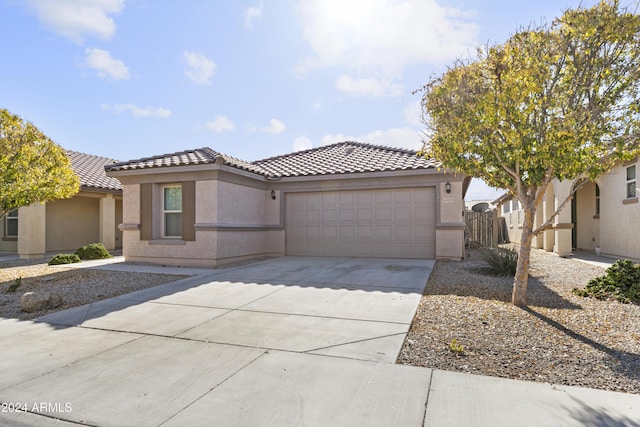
(521, 279)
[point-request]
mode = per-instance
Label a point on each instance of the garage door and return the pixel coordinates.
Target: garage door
(396, 223)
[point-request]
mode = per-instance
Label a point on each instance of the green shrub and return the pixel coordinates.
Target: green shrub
(502, 261)
(621, 281)
(93, 251)
(64, 259)
(16, 284)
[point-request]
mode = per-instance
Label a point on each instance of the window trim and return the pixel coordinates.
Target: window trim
(630, 182)
(173, 211)
(8, 218)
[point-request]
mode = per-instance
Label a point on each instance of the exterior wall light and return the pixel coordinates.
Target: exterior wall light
(447, 187)
(273, 195)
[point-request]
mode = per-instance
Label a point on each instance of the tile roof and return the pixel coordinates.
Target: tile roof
(339, 158)
(90, 170)
(344, 157)
(188, 157)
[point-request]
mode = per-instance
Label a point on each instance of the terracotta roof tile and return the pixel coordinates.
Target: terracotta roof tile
(90, 170)
(340, 158)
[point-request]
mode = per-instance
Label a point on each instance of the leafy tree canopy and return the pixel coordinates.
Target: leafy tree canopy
(556, 101)
(32, 167)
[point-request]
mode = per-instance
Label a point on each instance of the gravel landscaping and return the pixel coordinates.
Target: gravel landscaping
(77, 286)
(560, 338)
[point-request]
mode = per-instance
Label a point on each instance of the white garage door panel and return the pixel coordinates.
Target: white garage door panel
(376, 223)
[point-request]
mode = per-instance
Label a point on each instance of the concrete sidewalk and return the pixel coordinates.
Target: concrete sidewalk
(288, 341)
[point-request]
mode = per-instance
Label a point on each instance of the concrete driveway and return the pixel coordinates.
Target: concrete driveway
(284, 342)
(288, 341)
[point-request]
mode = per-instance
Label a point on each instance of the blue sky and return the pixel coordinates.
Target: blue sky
(132, 78)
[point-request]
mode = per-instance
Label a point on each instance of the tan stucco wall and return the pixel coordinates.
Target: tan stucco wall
(65, 225)
(7, 245)
(72, 223)
(118, 221)
(236, 217)
(619, 221)
(616, 230)
(513, 220)
(230, 223)
(31, 230)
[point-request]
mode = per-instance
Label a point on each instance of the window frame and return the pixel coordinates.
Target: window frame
(171, 211)
(630, 183)
(7, 218)
(597, 190)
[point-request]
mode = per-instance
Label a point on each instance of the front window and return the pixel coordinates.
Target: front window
(631, 182)
(597, 200)
(11, 224)
(172, 211)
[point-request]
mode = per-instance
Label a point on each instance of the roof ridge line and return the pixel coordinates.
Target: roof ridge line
(160, 156)
(90, 155)
(336, 144)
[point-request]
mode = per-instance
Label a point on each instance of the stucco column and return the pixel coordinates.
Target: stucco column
(538, 241)
(32, 231)
(562, 224)
(108, 221)
(549, 236)
(450, 222)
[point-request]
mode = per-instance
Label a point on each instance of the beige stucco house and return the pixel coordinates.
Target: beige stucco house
(604, 216)
(90, 216)
(203, 208)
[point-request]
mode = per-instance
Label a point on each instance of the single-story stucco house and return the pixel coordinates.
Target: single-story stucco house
(203, 208)
(604, 216)
(91, 216)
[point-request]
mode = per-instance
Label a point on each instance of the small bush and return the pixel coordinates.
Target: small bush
(456, 347)
(64, 259)
(621, 282)
(93, 251)
(16, 284)
(502, 261)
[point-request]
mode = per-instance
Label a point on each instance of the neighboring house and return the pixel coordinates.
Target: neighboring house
(603, 216)
(90, 216)
(203, 208)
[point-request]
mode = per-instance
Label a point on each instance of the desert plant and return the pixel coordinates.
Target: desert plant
(64, 259)
(456, 347)
(16, 284)
(93, 251)
(501, 261)
(621, 282)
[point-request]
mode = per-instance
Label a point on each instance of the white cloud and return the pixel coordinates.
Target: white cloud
(395, 137)
(383, 35)
(76, 19)
(252, 13)
(412, 113)
(199, 68)
(368, 87)
(106, 66)
(275, 127)
(220, 124)
(136, 111)
(302, 143)
(479, 190)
